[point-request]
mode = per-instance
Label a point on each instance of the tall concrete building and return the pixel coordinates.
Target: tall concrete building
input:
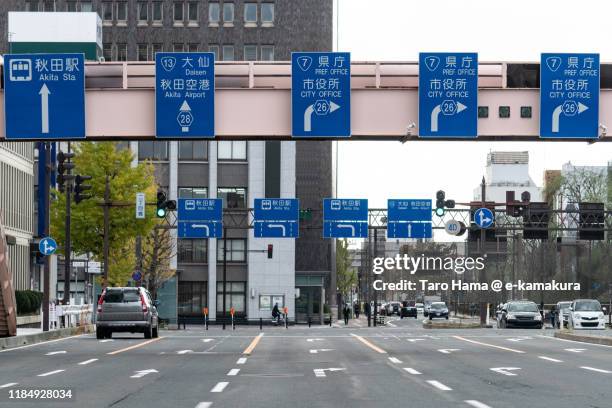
(238, 171)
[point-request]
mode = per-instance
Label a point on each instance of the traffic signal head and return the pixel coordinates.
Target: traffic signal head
(64, 167)
(79, 188)
(270, 249)
(161, 204)
(440, 196)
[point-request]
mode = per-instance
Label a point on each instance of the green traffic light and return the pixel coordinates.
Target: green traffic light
(161, 213)
(440, 212)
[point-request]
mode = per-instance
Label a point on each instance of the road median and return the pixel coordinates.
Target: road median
(604, 339)
(451, 324)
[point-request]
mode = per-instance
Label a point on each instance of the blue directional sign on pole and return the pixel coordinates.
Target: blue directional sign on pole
(47, 246)
(483, 218)
(345, 218)
(200, 218)
(569, 96)
(409, 219)
(185, 94)
(448, 95)
(321, 94)
(44, 96)
(276, 218)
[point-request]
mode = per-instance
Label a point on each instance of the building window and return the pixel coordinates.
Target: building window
(193, 150)
(267, 14)
(228, 13)
(192, 250)
(143, 13)
(155, 48)
(250, 53)
(192, 298)
(107, 51)
(71, 6)
(193, 47)
(233, 197)
(267, 53)
(107, 12)
(158, 12)
(193, 192)
(236, 250)
(192, 13)
(178, 13)
(267, 302)
(213, 14)
(228, 53)
(215, 50)
(143, 52)
(178, 47)
(86, 6)
(122, 11)
(250, 14)
(235, 296)
(153, 150)
(122, 52)
(232, 150)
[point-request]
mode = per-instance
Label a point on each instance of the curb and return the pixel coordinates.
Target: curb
(606, 341)
(454, 326)
(9, 342)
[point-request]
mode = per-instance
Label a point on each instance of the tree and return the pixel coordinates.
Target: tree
(99, 160)
(346, 275)
(158, 248)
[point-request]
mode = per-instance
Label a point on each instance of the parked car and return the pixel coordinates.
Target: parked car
(408, 310)
(126, 309)
(586, 314)
(438, 309)
(420, 308)
(394, 308)
(520, 314)
(562, 309)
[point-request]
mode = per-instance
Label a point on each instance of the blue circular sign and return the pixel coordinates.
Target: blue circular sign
(137, 276)
(47, 246)
(483, 218)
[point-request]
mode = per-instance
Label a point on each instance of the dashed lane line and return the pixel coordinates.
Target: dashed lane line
(88, 361)
(476, 404)
(253, 344)
(439, 385)
(220, 386)
(50, 373)
(489, 345)
(8, 385)
(395, 360)
(597, 370)
(412, 371)
(370, 345)
(204, 405)
(233, 371)
(554, 360)
(241, 360)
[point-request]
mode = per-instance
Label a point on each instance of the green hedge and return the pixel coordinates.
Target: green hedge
(28, 301)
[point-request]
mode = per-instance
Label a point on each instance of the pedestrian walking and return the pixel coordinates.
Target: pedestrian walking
(346, 312)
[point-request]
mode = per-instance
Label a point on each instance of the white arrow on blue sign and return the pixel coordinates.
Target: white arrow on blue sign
(483, 218)
(44, 96)
(47, 246)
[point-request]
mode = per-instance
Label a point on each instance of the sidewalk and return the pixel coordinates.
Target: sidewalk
(31, 336)
(603, 337)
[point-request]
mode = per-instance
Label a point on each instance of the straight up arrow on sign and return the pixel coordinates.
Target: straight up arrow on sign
(44, 108)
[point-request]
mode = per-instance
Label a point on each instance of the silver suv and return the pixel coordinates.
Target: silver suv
(126, 309)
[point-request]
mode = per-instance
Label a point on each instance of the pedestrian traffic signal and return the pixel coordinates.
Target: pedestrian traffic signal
(79, 188)
(164, 205)
(64, 167)
(270, 249)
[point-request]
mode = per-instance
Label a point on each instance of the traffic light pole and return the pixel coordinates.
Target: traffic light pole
(483, 241)
(47, 268)
(68, 243)
(107, 204)
(224, 273)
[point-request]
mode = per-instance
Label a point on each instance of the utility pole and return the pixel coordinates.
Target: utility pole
(107, 203)
(46, 147)
(68, 177)
(224, 273)
(483, 241)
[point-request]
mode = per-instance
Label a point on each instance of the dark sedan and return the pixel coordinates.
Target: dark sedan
(520, 314)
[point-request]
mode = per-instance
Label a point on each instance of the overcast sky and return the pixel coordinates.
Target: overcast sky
(515, 30)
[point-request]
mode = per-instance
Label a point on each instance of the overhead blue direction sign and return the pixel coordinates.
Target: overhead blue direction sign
(47, 246)
(409, 218)
(483, 218)
(321, 94)
(448, 95)
(185, 94)
(276, 218)
(569, 96)
(44, 96)
(345, 218)
(200, 218)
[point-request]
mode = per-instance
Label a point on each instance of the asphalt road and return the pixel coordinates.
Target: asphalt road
(401, 365)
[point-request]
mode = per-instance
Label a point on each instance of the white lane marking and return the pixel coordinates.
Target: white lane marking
(554, 360)
(411, 371)
(489, 345)
(106, 340)
(52, 353)
(220, 386)
(476, 404)
(184, 351)
(88, 361)
(391, 324)
(505, 370)
(395, 360)
(311, 340)
(50, 373)
(447, 351)
(320, 372)
(598, 370)
(142, 373)
(439, 385)
(575, 350)
(7, 385)
(517, 339)
(414, 340)
(204, 405)
(207, 340)
(233, 371)
(241, 360)
(42, 342)
(316, 351)
(573, 341)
